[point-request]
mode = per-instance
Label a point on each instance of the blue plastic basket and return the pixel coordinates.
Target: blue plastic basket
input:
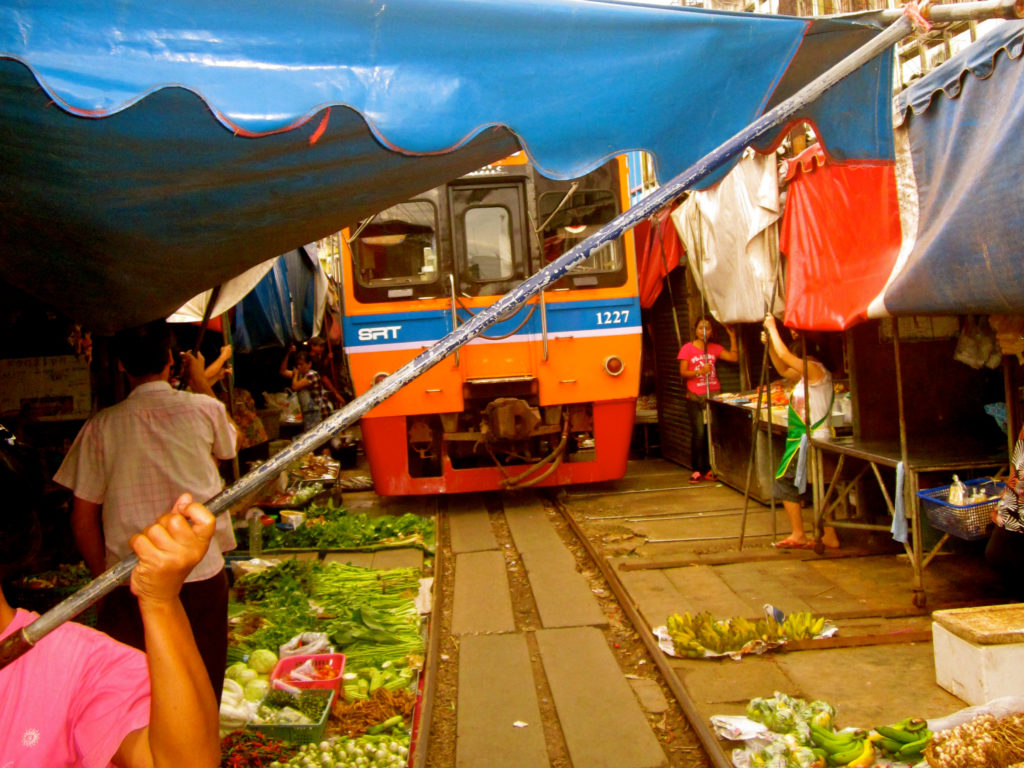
(970, 521)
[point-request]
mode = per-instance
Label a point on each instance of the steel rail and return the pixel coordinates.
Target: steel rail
(22, 641)
(700, 727)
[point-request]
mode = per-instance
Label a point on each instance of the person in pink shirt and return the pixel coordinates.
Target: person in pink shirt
(697, 366)
(80, 698)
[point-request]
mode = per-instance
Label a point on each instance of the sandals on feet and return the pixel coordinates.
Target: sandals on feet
(790, 544)
(695, 478)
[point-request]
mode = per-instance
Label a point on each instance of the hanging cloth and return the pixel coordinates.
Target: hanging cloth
(730, 231)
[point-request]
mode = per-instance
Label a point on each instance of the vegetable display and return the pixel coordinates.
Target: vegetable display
(386, 751)
(982, 742)
(249, 749)
(332, 527)
(803, 735)
(383, 710)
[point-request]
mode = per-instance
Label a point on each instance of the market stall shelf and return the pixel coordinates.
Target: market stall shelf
(848, 460)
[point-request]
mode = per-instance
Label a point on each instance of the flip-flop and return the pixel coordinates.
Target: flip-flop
(787, 544)
(710, 477)
(695, 478)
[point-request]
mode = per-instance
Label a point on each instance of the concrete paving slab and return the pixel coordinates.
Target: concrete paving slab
(531, 529)
(470, 530)
(884, 579)
(481, 603)
(603, 724)
(487, 733)
(818, 592)
(649, 694)
(360, 559)
(654, 595)
(724, 681)
(562, 594)
(757, 583)
(872, 685)
(702, 590)
(404, 557)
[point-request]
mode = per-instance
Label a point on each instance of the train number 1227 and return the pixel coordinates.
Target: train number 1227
(613, 317)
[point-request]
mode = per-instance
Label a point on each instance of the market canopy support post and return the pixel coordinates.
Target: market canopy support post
(22, 641)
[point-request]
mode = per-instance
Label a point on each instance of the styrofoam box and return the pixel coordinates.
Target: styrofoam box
(977, 673)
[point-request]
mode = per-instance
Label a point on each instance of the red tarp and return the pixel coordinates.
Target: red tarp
(841, 235)
(658, 253)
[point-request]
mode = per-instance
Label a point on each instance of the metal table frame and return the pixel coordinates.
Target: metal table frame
(874, 455)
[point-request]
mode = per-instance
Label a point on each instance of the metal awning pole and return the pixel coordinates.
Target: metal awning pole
(971, 11)
(21, 641)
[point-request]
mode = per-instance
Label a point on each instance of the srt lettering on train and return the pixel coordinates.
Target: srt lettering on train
(384, 332)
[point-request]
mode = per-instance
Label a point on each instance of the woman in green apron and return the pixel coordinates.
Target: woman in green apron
(791, 477)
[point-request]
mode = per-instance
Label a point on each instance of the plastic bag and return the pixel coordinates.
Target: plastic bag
(976, 346)
(999, 708)
(306, 643)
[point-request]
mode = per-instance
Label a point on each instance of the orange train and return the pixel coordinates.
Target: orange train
(545, 396)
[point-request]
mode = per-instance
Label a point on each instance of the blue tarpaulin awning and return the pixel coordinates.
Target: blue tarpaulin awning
(960, 145)
(151, 151)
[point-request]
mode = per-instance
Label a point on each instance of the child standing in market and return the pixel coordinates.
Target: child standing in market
(814, 401)
(697, 366)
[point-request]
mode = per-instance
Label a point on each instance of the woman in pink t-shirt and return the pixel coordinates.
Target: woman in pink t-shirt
(697, 361)
(80, 698)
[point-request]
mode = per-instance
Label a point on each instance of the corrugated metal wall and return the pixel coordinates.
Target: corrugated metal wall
(673, 423)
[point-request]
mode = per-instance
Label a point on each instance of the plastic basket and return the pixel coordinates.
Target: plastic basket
(970, 521)
(298, 734)
(323, 662)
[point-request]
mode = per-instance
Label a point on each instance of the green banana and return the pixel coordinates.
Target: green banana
(854, 751)
(914, 748)
(896, 733)
(831, 741)
(889, 745)
(913, 724)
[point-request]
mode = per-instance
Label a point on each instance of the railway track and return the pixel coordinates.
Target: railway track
(524, 535)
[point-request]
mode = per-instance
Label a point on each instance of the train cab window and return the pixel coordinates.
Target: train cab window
(489, 244)
(395, 253)
(489, 238)
(568, 222)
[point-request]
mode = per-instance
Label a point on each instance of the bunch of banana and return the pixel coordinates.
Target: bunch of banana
(905, 740)
(855, 749)
(802, 625)
(693, 635)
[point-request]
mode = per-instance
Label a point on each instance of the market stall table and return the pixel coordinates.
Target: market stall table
(731, 427)
(853, 458)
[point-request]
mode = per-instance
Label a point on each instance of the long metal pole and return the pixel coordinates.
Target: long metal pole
(972, 11)
(21, 641)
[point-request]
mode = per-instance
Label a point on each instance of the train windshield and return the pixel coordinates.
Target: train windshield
(398, 246)
(569, 220)
(489, 237)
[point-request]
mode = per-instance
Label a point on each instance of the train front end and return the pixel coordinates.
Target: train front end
(545, 397)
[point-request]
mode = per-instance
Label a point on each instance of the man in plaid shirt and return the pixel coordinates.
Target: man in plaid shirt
(128, 465)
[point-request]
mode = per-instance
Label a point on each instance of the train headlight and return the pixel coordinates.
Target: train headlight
(613, 365)
(379, 377)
